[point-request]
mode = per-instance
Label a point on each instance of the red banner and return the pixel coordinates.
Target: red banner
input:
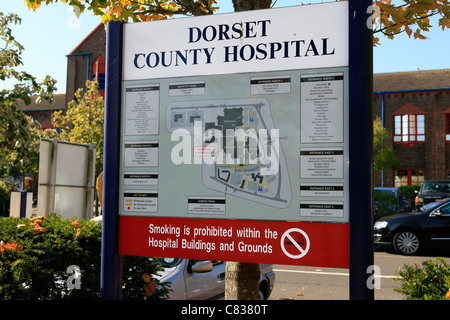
(256, 241)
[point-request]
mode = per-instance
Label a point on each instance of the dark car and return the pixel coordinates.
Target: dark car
(409, 233)
(432, 190)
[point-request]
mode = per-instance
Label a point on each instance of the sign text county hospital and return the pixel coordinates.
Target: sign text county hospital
(222, 33)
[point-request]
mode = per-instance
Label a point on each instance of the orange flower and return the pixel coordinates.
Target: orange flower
(9, 246)
(447, 296)
(37, 219)
(76, 224)
(149, 286)
(38, 230)
(78, 232)
(146, 277)
(35, 222)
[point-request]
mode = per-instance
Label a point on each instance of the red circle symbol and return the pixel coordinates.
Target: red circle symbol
(295, 243)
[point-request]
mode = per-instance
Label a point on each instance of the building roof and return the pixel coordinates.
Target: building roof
(412, 80)
(85, 39)
(58, 103)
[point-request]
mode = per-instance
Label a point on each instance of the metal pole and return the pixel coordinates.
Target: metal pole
(23, 204)
(111, 261)
(361, 144)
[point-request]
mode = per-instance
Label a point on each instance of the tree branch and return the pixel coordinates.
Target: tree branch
(406, 23)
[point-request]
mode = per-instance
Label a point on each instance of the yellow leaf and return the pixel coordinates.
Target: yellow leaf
(418, 35)
(33, 6)
(408, 31)
(376, 41)
(106, 18)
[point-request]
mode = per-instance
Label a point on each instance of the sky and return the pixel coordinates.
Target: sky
(52, 32)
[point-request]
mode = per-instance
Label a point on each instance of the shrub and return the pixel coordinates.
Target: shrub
(432, 282)
(5, 190)
(410, 192)
(36, 253)
(386, 202)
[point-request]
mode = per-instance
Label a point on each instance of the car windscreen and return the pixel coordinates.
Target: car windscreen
(430, 205)
(430, 187)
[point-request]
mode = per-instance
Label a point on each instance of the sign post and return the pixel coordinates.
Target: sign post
(229, 139)
(111, 262)
(361, 122)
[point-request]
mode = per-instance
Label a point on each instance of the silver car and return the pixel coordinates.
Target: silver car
(205, 279)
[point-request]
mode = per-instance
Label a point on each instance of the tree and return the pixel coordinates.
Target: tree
(390, 19)
(410, 16)
(82, 121)
(19, 134)
(135, 10)
(19, 156)
(383, 155)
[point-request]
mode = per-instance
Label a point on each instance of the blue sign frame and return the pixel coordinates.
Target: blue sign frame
(360, 146)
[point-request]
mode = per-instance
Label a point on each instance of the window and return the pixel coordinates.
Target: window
(98, 74)
(401, 178)
(407, 177)
(417, 176)
(447, 127)
(409, 128)
(445, 209)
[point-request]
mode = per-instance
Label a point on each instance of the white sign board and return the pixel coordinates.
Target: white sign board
(66, 179)
(237, 116)
(251, 41)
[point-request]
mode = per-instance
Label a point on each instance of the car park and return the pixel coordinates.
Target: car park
(410, 233)
(432, 190)
(205, 279)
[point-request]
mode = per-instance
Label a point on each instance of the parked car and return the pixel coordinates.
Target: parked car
(391, 201)
(432, 190)
(410, 233)
(204, 279)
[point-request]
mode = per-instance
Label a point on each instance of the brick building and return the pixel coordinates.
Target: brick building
(87, 62)
(42, 112)
(415, 109)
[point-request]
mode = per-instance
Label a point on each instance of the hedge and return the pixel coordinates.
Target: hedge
(429, 282)
(38, 257)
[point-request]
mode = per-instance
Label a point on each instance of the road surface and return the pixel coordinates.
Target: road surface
(310, 283)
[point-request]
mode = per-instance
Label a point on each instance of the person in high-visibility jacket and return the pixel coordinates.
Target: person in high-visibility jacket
(100, 188)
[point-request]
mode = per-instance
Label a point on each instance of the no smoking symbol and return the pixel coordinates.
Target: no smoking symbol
(295, 243)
